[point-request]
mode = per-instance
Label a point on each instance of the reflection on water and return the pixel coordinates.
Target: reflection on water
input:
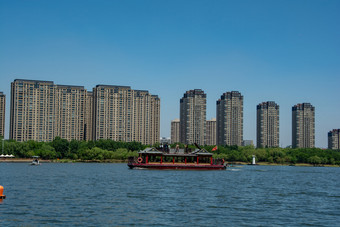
(111, 194)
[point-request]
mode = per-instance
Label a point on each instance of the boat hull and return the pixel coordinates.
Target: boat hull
(174, 166)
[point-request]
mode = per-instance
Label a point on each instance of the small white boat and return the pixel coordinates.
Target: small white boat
(35, 161)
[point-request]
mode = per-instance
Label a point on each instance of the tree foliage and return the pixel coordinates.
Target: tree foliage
(110, 150)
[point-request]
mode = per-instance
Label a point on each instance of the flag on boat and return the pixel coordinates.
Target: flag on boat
(214, 149)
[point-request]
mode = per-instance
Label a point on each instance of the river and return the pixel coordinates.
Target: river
(95, 194)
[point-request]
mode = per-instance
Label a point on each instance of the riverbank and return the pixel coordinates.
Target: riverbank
(27, 160)
(284, 164)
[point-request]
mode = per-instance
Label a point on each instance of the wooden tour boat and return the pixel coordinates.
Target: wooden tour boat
(152, 158)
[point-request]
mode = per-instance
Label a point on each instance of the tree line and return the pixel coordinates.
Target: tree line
(105, 149)
(75, 150)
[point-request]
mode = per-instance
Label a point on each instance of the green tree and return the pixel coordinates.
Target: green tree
(61, 147)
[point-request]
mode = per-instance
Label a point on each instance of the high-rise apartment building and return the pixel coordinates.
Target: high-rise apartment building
(175, 131)
(334, 139)
(69, 112)
(88, 116)
(32, 110)
(41, 110)
(229, 119)
(303, 126)
(146, 124)
(122, 114)
(113, 111)
(268, 124)
(193, 117)
(210, 134)
(2, 113)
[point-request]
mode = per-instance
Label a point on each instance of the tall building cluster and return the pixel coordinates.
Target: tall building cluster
(2, 113)
(41, 110)
(227, 128)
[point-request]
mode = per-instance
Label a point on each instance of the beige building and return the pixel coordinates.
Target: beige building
(210, 134)
(229, 119)
(334, 139)
(268, 125)
(193, 117)
(303, 126)
(146, 124)
(88, 116)
(32, 110)
(112, 112)
(69, 112)
(122, 114)
(2, 114)
(41, 110)
(175, 131)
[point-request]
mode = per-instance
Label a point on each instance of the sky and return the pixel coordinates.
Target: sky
(286, 51)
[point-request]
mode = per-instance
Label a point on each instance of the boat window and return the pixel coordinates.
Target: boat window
(191, 159)
(167, 159)
(153, 158)
(179, 159)
(204, 159)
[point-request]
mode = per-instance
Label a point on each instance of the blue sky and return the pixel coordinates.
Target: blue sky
(282, 51)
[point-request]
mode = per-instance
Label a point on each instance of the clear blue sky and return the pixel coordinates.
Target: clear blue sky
(287, 51)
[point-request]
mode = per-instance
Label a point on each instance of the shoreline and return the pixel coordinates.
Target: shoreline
(28, 160)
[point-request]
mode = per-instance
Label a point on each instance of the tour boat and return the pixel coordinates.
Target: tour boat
(152, 158)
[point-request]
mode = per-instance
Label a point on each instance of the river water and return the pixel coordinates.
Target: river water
(112, 195)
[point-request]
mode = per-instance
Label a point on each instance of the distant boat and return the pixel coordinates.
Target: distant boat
(35, 161)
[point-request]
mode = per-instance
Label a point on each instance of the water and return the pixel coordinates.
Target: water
(113, 195)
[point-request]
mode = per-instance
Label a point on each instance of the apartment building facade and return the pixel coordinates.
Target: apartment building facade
(303, 126)
(229, 119)
(2, 113)
(41, 110)
(175, 131)
(268, 125)
(123, 114)
(334, 139)
(210, 138)
(193, 117)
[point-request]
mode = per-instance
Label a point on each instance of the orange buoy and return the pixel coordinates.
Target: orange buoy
(2, 196)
